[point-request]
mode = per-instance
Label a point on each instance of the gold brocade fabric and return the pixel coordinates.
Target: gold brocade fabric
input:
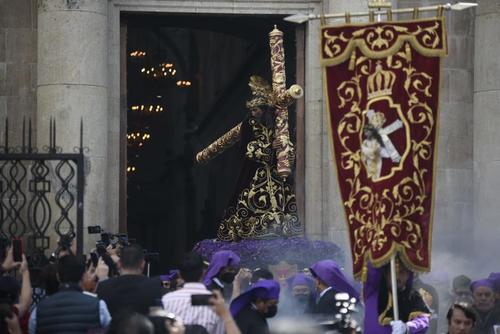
(267, 207)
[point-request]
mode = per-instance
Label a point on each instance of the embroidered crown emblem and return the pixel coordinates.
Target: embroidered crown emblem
(380, 82)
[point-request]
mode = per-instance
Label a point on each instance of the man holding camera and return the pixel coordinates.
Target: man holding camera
(131, 291)
(195, 304)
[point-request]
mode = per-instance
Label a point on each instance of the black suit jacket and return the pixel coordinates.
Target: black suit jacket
(130, 293)
(250, 321)
(325, 305)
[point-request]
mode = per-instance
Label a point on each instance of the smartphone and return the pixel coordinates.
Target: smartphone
(201, 300)
(17, 250)
(94, 258)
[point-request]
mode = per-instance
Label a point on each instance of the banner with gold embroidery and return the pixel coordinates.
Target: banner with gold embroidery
(382, 83)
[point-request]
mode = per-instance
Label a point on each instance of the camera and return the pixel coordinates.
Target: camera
(108, 238)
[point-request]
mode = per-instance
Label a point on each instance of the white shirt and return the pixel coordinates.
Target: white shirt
(179, 303)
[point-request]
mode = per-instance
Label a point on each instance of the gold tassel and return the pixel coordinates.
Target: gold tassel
(364, 273)
(408, 52)
(322, 20)
(415, 13)
(347, 17)
(389, 15)
(352, 62)
(371, 16)
(440, 11)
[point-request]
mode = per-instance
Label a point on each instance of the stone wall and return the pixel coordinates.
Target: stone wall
(18, 69)
(486, 123)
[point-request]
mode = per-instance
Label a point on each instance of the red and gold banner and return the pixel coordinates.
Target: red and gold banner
(382, 81)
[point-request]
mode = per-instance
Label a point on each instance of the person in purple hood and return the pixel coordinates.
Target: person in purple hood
(251, 309)
(329, 280)
(413, 312)
(495, 278)
(488, 315)
(223, 267)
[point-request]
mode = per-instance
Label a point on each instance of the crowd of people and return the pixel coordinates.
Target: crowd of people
(111, 294)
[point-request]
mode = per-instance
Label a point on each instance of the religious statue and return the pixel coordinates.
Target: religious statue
(377, 144)
(264, 205)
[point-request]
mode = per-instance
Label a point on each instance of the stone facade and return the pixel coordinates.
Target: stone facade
(76, 45)
(18, 70)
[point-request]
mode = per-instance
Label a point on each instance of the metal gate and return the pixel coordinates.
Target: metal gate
(41, 193)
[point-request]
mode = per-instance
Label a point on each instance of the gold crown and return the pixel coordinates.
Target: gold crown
(378, 120)
(380, 82)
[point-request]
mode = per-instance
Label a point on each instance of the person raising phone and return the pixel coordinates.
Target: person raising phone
(195, 304)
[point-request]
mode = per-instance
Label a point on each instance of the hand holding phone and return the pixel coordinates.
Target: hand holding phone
(17, 250)
(201, 300)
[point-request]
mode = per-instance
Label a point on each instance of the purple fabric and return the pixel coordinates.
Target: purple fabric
(172, 274)
(220, 260)
(329, 272)
(495, 278)
(300, 279)
(370, 292)
(262, 253)
(419, 325)
(486, 282)
(264, 289)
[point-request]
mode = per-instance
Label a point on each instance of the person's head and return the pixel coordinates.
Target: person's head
(327, 273)
(70, 269)
(191, 268)
(403, 276)
(495, 278)
(263, 295)
(461, 319)
(483, 294)
(267, 307)
(132, 259)
(301, 287)
(261, 273)
(131, 323)
(461, 287)
(224, 265)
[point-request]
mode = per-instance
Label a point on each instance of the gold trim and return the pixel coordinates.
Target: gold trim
(401, 39)
(382, 318)
(415, 314)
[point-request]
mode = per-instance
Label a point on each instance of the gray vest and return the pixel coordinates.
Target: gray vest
(68, 311)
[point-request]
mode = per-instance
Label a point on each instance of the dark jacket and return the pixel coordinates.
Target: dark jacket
(68, 311)
(485, 321)
(130, 293)
(325, 305)
(249, 321)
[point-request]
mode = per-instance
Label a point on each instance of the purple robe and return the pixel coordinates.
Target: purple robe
(220, 260)
(417, 325)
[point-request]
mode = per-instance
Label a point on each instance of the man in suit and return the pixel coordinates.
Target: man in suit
(329, 280)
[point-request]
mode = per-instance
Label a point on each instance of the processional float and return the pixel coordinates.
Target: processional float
(265, 207)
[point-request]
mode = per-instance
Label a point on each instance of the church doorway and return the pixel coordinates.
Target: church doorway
(186, 85)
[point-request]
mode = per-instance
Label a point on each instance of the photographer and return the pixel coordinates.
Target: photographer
(131, 291)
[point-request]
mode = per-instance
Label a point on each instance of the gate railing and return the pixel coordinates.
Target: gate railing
(41, 192)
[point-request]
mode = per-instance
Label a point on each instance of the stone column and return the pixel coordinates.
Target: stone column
(72, 85)
(486, 129)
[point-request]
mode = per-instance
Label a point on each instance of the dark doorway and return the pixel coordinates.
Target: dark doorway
(189, 88)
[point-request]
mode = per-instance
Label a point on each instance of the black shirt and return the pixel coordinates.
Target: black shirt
(250, 321)
(130, 293)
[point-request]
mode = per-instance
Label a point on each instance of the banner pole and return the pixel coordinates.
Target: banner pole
(394, 287)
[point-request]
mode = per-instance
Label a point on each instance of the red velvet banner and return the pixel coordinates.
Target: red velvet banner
(382, 81)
